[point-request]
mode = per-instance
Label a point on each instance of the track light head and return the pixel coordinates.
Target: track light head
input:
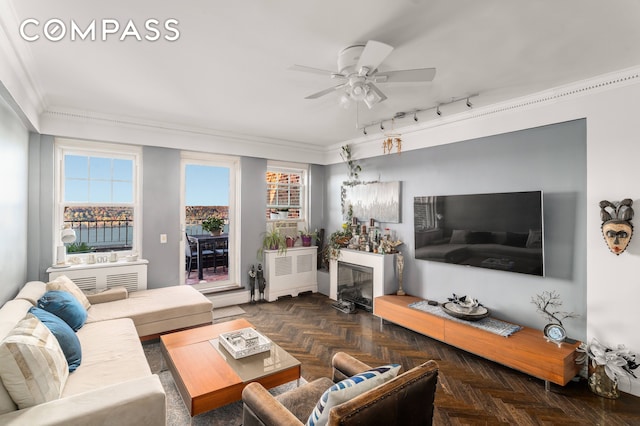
(469, 104)
(438, 110)
(364, 131)
(381, 126)
(415, 116)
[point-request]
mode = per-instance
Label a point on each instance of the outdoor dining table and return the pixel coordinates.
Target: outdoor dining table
(206, 238)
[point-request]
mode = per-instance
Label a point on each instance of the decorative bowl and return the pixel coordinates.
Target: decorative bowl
(475, 313)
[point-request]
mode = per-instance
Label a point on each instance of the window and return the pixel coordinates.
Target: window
(286, 193)
(97, 196)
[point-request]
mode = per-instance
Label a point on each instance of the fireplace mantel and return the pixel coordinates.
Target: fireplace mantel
(384, 281)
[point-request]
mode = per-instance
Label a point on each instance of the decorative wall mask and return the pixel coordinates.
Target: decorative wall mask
(616, 224)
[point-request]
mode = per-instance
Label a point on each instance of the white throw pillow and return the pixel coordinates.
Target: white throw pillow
(64, 283)
(348, 389)
(33, 367)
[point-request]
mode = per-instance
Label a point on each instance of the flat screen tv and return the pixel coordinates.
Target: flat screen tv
(501, 231)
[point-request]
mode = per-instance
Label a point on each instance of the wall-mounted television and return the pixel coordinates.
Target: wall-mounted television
(501, 231)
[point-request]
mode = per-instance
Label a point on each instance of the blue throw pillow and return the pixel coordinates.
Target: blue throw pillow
(64, 305)
(348, 389)
(66, 337)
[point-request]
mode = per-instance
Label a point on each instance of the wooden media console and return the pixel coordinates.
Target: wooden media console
(526, 350)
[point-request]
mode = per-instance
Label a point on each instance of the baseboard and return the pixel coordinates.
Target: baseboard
(228, 298)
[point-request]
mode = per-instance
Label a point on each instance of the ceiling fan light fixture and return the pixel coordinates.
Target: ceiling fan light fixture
(359, 91)
(345, 100)
(372, 98)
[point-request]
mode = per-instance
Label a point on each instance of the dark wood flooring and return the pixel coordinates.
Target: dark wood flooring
(471, 390)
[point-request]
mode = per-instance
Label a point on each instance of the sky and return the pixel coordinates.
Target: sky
(105, 180)
(206, 185)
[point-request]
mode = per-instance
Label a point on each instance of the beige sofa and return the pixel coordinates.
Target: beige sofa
(113, 384)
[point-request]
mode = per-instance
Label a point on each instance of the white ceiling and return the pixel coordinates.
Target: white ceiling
(228, 71)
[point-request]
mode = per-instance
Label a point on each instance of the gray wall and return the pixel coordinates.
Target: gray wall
(160, 210)
(14, 145)
(550, 158)
(161, 215)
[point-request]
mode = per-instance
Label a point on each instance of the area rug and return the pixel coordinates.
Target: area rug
(228, 415)
(227, 311)
(489, 324)
(177, 413)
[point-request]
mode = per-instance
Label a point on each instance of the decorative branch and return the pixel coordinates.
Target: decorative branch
(548, 303)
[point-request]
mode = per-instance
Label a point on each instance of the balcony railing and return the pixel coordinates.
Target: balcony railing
(102, 235)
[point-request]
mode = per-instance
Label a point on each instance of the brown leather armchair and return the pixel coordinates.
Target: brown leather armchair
(405, 400)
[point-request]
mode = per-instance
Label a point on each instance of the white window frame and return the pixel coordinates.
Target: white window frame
(233, 164)
(303, 170)
(63, 147)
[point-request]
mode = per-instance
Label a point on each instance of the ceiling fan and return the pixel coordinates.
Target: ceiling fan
(358, 71)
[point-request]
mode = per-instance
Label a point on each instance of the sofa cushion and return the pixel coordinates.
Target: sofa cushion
(64, 283)
(534, 239)
(32, 365)
(111, 354)
(347, 389)
(11, 313)
(157, 310)
(459, 236)
(64, 305)
(32, 291)
(66, 337)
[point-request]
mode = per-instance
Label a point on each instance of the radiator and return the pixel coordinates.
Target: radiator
(291, 273)
(103, 276)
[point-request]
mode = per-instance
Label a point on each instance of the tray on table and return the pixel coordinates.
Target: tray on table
(244, 342)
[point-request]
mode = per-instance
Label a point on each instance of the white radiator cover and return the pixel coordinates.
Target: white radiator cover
(103, 276)
(291, 273)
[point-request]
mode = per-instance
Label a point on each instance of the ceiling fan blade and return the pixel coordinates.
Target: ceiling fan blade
(378, 91)
(326, 91)
(373, 55)
(312, 70)
(405, 76)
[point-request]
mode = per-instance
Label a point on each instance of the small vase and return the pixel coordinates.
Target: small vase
(601, 384)
(306, 241)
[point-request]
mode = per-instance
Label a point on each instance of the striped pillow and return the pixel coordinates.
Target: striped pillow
(32, 365)
(64, 283)
(349, 388)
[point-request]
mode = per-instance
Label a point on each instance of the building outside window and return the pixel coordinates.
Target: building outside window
(286, 193)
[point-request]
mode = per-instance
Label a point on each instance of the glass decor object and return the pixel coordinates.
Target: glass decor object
(601, 384)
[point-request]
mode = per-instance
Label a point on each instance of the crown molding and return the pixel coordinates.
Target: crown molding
(370, 145)
(16, 73)
(82, 124)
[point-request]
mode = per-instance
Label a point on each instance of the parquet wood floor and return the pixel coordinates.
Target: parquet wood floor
(471, 390)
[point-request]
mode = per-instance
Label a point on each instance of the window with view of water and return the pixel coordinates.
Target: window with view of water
(98, 198)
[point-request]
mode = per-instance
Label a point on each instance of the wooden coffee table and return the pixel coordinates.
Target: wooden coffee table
(208, 377)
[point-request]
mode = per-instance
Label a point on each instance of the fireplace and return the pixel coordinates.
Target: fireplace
(355, 285)
(379, 267)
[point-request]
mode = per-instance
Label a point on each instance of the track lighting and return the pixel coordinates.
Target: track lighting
(415, 116)
(364, 131)
(469, 104)
(381, 126)
(438, 110)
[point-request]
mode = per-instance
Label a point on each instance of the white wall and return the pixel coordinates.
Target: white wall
(13, 201)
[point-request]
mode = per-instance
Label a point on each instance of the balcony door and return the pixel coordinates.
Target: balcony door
(209, 262)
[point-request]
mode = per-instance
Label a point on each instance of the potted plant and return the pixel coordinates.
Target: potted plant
(273, 240)
(308, 237)
(213, 225)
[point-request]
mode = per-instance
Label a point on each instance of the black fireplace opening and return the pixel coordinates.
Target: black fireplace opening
(355, 285)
